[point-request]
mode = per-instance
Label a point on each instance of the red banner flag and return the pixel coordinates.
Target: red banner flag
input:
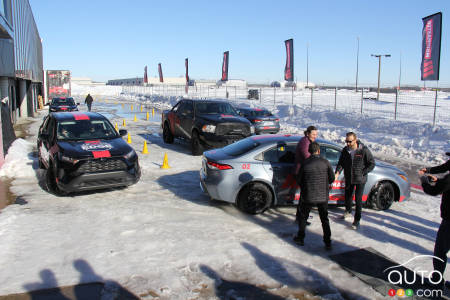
(225, 66)
(186, 64)
(431, 47)
(161, 79)
(145, 75)
(289, 68)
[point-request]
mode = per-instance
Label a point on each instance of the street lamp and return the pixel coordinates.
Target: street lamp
(379, 69)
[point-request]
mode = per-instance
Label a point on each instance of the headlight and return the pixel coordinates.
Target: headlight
(252, 129)
(403, 177)
(209, 128)
(130, 154)
(68, 159)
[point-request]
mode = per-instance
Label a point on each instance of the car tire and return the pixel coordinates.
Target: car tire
(167, 134)
(382, 196)
(254, 198)
(50, 179)
(196, 144)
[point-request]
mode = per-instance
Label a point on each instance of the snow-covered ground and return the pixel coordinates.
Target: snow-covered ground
(162, 238)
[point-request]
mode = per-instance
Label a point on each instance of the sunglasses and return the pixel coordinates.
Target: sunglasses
(349, 142)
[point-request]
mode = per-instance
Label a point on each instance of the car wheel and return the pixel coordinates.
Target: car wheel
(167, 134)
(382, 196)
(254, 198)
(196, 144)
(51, 182)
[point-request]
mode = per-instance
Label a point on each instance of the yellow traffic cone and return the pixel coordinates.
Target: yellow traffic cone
(135, 119)
(131, 106)
(122, 105)
(129, 139)
(145, 150)
(116, 127)
(124, 124)
(165, 164)
(153, 112)
(147, 116)
(141, 108)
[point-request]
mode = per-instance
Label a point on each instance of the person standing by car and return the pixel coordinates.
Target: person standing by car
(88, 101)
(357, 161)
(302, 153)
(314, 179)
(433, 186)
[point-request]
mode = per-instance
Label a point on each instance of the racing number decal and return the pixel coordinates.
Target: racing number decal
(246, 166)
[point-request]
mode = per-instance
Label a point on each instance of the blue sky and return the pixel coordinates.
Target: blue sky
(110, 39)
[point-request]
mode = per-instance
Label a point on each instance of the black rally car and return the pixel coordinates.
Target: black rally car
(63, 104)
(83, 151)
(206, 123)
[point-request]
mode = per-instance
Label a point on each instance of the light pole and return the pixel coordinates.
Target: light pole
(379, 69)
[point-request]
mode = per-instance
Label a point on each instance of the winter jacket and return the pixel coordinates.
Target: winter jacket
(314, 178)
(301, 152)
(442, 186)
(439, 169)
(356, 171)
(88, 100)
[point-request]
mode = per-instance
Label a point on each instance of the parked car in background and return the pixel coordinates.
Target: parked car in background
(263, 120)
(83, 151)
(275, 84)
(257, 172)
(63, 104)
(205, 123)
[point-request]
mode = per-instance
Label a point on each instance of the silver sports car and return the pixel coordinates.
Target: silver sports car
(257, 172)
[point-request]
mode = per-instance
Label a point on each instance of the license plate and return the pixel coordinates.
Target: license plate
(268, 123)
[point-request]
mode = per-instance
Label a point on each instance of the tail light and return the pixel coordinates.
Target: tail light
(213, 165)
(277, 120)
(257, 120)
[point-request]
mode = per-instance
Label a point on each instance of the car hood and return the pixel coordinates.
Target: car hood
(222, 118)
(86, 148)
(385, 165)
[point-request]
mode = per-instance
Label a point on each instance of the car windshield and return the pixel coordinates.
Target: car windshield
(261, 113)
(240, 147)
(215, 108)
(63, 101)
(85, 129)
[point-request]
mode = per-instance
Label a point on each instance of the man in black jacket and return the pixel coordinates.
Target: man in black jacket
(88, 101)
(357, 161)
(434, 186)
(314, 179)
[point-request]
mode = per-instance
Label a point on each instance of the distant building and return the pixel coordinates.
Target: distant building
(151, 81)
(85, 81)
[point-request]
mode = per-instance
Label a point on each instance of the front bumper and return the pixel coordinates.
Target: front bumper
(218, 141)
(93, 181)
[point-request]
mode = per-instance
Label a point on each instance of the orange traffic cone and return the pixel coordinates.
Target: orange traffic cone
(116, 127)
(165, 164)
(153, 112)
(129, 139)
(147, 116)
(145, 150)
(135, 119)
(124, 124)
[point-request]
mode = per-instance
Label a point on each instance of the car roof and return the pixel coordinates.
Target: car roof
(252, 108)
(70, 116)
(206, 100)
(62, 98)
(287, 138)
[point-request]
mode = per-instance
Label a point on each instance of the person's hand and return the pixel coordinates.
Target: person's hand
(432, 178)
(422, 171)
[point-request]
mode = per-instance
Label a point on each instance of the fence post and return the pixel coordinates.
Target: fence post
(435, 105)
(396, 104)
(335, 96)
(274, 97)
(260, 95)
(235, 97)
(362, 97)
(312, 92)
(292, 96)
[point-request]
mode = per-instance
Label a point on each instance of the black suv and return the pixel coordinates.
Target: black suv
(63, 104)
(206, 123)
(83, 151)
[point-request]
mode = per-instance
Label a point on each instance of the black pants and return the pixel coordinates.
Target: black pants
(89, 105)
(304, 210)
(358, 189)
(442, 246)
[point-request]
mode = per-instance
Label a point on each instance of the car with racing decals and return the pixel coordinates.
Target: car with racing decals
(83, 151)
(257, 173)
(63, 104)
(205, 123)
(263, 120)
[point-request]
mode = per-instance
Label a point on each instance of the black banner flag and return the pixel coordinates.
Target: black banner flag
(161, 79)
(145, 75)
(225, 66)
(289, 68)
(431, 47)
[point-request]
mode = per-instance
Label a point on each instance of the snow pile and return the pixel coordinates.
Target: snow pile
(18, 160)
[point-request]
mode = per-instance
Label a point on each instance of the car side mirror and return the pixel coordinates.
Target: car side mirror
(123, 132)
(44, 136)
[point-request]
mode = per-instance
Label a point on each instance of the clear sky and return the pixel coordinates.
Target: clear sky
(111, 39)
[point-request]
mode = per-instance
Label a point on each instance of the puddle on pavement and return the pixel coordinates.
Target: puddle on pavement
(6, 197)
(127, 112)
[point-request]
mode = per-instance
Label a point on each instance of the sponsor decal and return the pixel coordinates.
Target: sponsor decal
(100, 154)
(95, 145)
(246, 166)
(227, 116)
(80, 116)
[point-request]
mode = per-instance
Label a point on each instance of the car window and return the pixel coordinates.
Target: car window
(261, 113)
(240, 147)
(51, 129)
(330, 153)
(280, 154)
(44, 128)
(177, 106)
(189, 108)
(85, 129)
(215, 108)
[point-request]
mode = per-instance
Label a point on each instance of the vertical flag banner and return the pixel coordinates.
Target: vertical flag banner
(289, 68)
(145, 75)
(161, 79)
(186, 64)
(431, 47)
(225, 66)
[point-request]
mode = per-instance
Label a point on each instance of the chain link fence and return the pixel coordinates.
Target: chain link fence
(431, 107)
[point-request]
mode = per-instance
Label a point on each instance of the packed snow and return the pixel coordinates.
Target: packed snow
(162, 238)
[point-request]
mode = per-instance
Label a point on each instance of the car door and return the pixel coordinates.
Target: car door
(332, 154)
(280, 162)
(186, 116)
(46, 135)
